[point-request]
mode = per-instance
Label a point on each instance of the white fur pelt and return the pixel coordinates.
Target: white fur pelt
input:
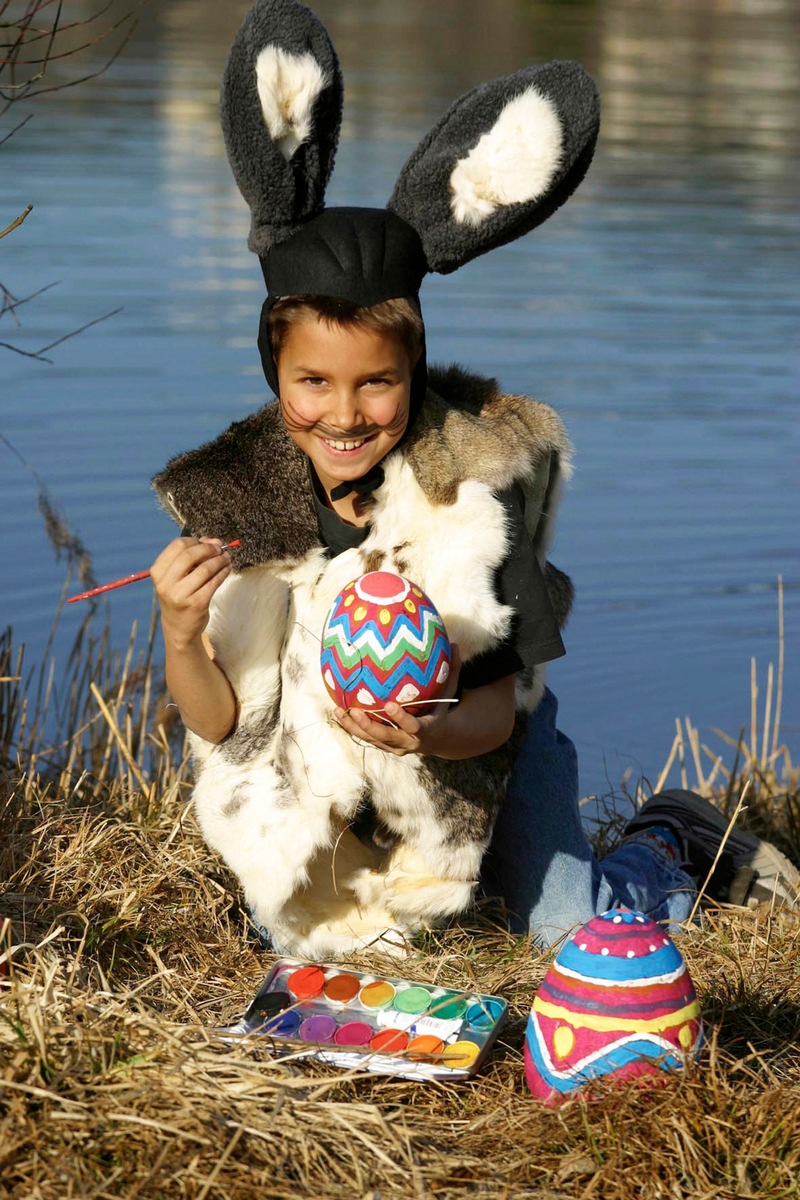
(280, 816)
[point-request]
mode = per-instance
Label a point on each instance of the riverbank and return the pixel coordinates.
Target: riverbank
(126, 944)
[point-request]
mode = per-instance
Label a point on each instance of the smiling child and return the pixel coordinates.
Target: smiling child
(345, 831)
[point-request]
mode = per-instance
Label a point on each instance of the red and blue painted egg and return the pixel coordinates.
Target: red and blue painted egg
(384, 640)
(616, 1000)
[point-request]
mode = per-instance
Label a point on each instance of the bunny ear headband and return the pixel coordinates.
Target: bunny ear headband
(498, 163)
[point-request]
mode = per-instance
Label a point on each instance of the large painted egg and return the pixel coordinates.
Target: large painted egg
(617, 999)
(384, 640)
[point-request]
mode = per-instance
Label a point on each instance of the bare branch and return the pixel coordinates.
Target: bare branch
(25, 353)
(83, 23)
(11, 302)
(50, 56)
(16, 224)
(34, 35)
(94, 74)
(16, 129)
(39, 355)
(28, 34)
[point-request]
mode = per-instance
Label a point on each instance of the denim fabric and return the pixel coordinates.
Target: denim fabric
(540, 861)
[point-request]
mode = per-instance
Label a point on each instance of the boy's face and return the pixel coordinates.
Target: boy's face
(345, 396)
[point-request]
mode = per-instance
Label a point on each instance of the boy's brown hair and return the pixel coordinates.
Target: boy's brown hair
(398, 318)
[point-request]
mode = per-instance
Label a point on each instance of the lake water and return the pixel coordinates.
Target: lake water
(658, 312)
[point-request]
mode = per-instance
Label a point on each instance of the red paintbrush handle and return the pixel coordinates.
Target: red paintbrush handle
(109, 587)
(118, 583)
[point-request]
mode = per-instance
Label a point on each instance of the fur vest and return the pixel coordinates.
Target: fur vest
(278, 797)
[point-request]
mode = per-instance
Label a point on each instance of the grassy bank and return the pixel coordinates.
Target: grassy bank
(126, 944)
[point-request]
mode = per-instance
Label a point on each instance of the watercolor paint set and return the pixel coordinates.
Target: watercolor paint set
(371, 1022)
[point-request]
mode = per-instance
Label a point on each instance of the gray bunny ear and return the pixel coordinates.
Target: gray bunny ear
(501, 161)
(281, 109)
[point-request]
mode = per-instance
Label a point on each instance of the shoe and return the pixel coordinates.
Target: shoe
(749, 871)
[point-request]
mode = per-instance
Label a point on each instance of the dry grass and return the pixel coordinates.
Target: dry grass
(127, 945)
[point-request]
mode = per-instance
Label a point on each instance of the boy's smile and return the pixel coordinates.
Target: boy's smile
(345, 394)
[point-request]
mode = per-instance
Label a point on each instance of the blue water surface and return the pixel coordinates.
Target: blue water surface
(658, 312)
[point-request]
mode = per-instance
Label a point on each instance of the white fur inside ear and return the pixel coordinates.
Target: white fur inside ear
(288, 86)
(514, 162)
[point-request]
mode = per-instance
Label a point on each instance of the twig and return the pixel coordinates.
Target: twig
(681, 755)
(753, 711)
(115, 730)
(16, 129)
(662, 779)
(718, 855)
(779, 694)
(28, 92)
(16, 223)
(39, 355)
(17, 302)
(767, 714)
(694, 744)
(223, 1158)
(715, 770)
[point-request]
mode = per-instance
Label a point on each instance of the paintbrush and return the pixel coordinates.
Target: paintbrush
(118, 583)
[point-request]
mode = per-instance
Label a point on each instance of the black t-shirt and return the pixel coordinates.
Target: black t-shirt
(519, 583)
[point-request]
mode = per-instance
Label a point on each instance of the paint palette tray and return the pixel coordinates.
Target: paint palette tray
(376, 1023)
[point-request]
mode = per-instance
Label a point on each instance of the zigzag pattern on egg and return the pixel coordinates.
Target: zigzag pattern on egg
(383, 640)
(617, 999)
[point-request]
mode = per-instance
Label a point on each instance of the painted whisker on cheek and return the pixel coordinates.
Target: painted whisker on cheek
(296, 424)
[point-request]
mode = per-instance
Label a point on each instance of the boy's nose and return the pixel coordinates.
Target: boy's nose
(345, 412)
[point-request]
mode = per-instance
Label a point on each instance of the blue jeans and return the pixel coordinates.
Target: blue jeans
(540, 861)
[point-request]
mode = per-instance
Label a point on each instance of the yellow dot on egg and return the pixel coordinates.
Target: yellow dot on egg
(409, 606)
(384, 616)
(686, 1036)
(348, 600)
(360, 613)
(417, 592)
(563, 1041)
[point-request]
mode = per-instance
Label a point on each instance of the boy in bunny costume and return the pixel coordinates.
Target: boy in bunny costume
(343, 831)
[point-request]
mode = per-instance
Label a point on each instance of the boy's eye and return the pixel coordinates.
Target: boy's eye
(378, 381)
(314, 380)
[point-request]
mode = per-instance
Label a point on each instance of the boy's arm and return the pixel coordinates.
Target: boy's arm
(185, 575)
(201, 690)
(481, 721)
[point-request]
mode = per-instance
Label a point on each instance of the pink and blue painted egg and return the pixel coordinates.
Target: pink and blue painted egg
(617, 1000)
(384, 640)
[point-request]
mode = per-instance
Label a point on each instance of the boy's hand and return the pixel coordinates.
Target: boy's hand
(406, 733)
(185, 576)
